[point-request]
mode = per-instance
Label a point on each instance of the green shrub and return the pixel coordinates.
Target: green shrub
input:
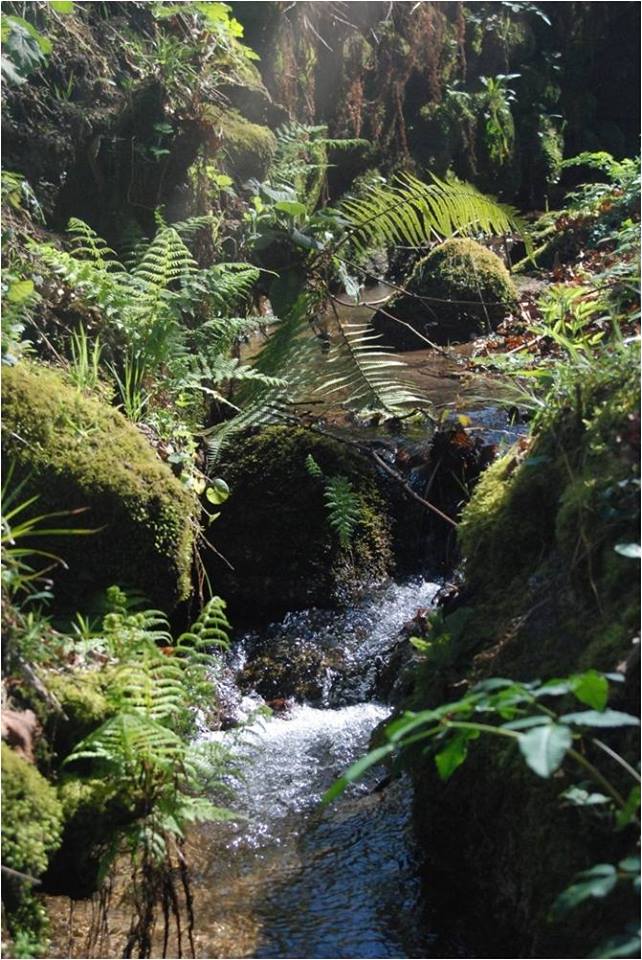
(78, 452)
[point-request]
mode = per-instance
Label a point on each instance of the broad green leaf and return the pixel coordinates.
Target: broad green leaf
(357, 770)
(20, 290)
(596, 882)
(631, 550)
(591, 688)
(607, 718)
(218, 491)
(292, 207)
(62, 6)
(454, 753)
(544, 748)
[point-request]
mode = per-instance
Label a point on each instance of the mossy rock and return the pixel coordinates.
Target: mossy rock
(547, 595)
(81, 695)
(77, 452)
(248, 147)
(32, 820)
(274, 528)
(468, 291)
(94, 810)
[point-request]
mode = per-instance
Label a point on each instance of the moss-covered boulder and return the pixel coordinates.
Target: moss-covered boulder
(76, 453)
(274, 530)
(549, 591)
(84, 704)
(32, 819)
(248, 147)
(466, 291)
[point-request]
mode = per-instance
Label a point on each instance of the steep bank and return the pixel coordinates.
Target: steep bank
(548, 590)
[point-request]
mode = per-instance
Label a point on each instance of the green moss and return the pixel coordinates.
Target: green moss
(274, 528)
(81, 695)
(461, 269)
(249, 147)
(469, 291)
(32, 816)
(78, 453)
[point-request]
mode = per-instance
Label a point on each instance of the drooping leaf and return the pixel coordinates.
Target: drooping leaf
(454, 753)
(591, 688)
(544, 748)
(357, 770)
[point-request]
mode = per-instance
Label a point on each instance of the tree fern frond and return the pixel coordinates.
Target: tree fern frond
(409, 211)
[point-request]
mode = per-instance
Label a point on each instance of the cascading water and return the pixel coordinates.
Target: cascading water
(323, 882)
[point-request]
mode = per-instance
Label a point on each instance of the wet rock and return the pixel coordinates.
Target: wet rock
(289, 669)
(274, 528)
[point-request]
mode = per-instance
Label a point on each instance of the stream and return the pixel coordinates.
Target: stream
(342, 881)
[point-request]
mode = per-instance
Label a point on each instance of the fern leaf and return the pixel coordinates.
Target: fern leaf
(409, 211)
(344, 508)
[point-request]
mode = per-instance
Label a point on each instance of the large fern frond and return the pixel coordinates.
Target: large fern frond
(409, 211)
(127, 739)
(363, 373)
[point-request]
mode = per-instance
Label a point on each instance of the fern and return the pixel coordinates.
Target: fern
(409, 211)
(212, 629)
(344, 509)
(127, 741)
(364, 372)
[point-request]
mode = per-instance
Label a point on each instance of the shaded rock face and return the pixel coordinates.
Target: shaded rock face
(547, 595)
(460, 290)
(274, 528)
(77, 453)
(406, 78)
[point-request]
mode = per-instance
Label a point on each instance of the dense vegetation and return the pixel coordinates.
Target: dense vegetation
(188, 192)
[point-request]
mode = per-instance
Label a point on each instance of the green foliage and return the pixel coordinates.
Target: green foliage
(409, 211)
(547, 737)
(84, 371)
(499, 127)
(342, 502)
(19, 578)
(25, 49)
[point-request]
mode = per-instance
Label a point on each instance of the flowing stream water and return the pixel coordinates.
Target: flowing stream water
(340, 881)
